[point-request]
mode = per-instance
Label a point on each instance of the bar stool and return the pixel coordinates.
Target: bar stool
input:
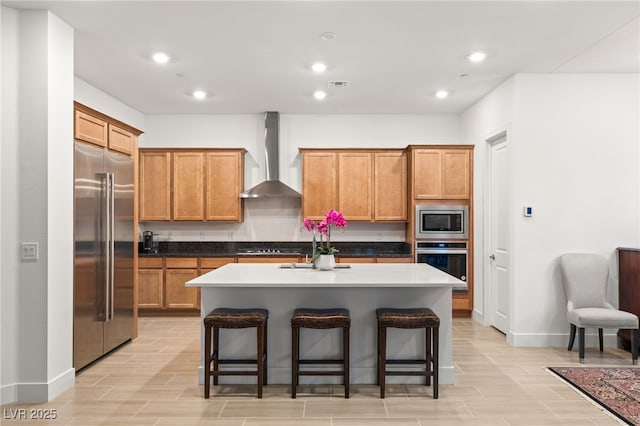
(408, 318)
(234, 318)
(319, 319)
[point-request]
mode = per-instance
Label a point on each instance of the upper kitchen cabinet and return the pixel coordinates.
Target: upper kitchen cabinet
(155, 185)
(441, 173)
(98, 129)
(319, 183)
(188, 185)
(355, 185)
(363, 184)
(191, 185)
(390, 186)
(224, 181)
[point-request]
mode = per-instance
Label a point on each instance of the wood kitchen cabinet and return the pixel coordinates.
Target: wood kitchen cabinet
(265, 259)
(191, 185)
(161, 285)
(188, 185)
(363, 184)
(179, 270)
(90, 129)
(441, 173)
(121, 140)
(355, 185)
(99, 129)
(319, 183)
(208, 264)
(155, 185)
(150, 283)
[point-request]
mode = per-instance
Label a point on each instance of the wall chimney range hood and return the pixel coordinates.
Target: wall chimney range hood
(271, 187)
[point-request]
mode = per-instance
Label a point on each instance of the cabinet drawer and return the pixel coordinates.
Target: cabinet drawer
(394, 260)
(355, 259)
(181, 262)
(150, 262)
(268, 259)
(215, 262)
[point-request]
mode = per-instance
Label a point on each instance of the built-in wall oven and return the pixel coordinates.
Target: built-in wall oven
(448, 256)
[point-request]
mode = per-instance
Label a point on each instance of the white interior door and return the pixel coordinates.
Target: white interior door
(499, 286)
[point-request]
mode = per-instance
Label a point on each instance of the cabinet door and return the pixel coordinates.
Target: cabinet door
(394, 260)
(120, 140)
(90, 129)
(427, 173)
(342, 259)
(269, 260)
(155, 185)
(188, 186)
(456, 171)
(355, 189)
(224, 182)
(319, 183)
(150, 294)
(178, 296)
(390, 186)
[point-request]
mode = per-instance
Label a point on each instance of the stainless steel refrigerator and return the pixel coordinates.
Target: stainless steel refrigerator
(104, 247)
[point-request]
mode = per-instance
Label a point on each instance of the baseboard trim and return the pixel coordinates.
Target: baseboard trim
(37, 392)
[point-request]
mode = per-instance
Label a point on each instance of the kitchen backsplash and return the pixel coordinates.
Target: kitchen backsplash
(269, 220)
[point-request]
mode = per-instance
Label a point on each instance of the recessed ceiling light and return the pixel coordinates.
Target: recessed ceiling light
(476, 56)
(319, 95)
(441, 94)
(328, 35)
(160, 58)
(319, 67)
(199, 94)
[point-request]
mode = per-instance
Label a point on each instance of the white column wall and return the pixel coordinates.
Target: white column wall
(37, 296)
(576, 162)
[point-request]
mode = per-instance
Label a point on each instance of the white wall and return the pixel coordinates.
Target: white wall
(574, 155)
(36, 193)
(486, 118)
(575, 159)
(280, 220)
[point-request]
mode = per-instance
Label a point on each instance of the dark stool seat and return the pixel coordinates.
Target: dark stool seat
(234, 318)
(409, 319)
(319, 319)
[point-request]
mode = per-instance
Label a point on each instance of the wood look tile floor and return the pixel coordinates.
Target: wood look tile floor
(152, 381)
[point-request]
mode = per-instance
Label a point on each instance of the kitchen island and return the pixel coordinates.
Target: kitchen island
(361, 288)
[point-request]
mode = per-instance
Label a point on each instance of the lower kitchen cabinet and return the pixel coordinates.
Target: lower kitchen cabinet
(177, 272)
(161, 286)
(277, 259)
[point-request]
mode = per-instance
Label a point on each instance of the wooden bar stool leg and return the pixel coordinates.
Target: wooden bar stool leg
(429, 355)
(345, 355)
(383, 359)
(436, 368)
(207, 361)
(260, 358)
(295, 336)
(264, 354)
(378, 357)
(216, 353)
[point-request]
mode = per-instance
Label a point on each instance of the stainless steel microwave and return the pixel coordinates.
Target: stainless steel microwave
(442, 221)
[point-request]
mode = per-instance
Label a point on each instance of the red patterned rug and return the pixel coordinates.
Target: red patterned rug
(616, 389)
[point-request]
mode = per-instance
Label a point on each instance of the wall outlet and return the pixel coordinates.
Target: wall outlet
(29, 251)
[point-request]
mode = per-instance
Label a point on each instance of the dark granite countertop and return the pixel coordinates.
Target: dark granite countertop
(231, 249)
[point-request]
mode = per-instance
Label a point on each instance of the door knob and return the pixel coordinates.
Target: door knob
(492, 257)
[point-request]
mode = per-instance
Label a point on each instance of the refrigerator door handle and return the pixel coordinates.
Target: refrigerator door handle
(106, 237)
(112, 239)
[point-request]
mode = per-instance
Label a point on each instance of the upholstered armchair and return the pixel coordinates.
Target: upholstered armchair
(584, 277)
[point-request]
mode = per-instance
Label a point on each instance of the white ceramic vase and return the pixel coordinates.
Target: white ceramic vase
(326, 262)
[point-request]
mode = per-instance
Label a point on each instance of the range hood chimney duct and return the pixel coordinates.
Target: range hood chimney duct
(271, 187)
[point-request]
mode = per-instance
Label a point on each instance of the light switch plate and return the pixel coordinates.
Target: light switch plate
(29, 251)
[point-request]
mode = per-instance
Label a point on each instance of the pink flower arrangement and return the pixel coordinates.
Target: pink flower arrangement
(323, 227)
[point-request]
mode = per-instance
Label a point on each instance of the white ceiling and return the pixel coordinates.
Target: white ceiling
(255, 56)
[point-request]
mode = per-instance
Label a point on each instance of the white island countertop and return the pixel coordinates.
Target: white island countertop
(357, 275)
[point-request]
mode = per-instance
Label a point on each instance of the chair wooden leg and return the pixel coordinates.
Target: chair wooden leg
(600, 339)
(428, 355)
(436, 362)
(260, 358)
(581, 344)
(345, 357)
(634, 346)
(216, 354)
(264, 354)
(572, 337)
(295, 336)
(207, 361)
(382, 362)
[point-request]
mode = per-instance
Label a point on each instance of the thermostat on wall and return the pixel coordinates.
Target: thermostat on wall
(527, 211)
